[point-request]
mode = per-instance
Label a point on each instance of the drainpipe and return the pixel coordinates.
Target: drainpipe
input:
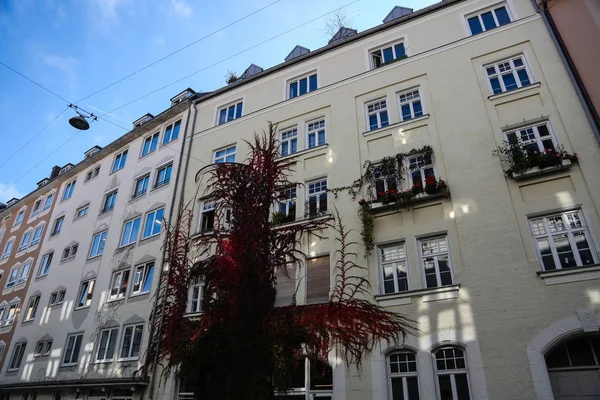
(172, 210)
(565, 57)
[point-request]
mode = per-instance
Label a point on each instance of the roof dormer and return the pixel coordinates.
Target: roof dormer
(396, 13)
(297, 52)
(92, 151)
(253, 69)
(342, 34)
(182, 96)
(65, 169)
(141, 121)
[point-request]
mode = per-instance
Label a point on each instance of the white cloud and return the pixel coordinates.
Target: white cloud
(107, 8)
(7, 192)
(181, 8)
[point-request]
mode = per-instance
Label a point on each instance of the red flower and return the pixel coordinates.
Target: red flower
(575, 154)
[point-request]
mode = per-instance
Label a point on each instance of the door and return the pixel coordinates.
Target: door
(576, 385)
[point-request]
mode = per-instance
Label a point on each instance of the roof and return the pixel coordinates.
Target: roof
(188, 90)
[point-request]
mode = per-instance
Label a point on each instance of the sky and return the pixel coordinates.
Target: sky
(76, 47)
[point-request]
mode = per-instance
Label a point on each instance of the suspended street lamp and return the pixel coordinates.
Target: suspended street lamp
(80, 121)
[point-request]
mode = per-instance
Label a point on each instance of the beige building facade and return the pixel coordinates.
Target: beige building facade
(502, 274)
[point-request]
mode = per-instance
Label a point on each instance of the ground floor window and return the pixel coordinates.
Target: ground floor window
(310, 379)
(452, 374)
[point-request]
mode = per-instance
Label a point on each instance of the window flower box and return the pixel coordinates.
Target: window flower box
(535, 171)
(525, 162)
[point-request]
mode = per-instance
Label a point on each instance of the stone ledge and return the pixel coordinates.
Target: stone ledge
(566, 164)
(429, 294)
(577, 274)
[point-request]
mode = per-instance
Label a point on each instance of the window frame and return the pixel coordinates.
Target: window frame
(47, 256)
(124, 230)
(70, 252)
(152, 217)
(119, 161)
(12, 281)
(57, 225)
(391, 45)
(19, 218)
(190, 309)
(97, 248)
(436, 261)
(569, 231)
(8, 248)
(171, 128)
(382, 263)
(84, 209)
(49, 199)
(513, 70)
(321, 192)
(145, 181)
(404, 376)
(16, 357)
(10, 313)
(133, 327)
(112, 195)
(25, 240)
(451, 372)
(145, 272)
(167, 177)
(237, 112)
(76, 337)
(113, 332)
(35, 239)
(44, 348)
(298, 79)
(492, 9)
(411, 103)
(225, 155)
(25, 270)
(69, 189)
(86, 288)
(120, 277)
(320, 125)
(207, 206)
(31, 309)
(57, 298)
(422, 169)
(152, 141)
(377, 113)
(288, 140)
(537, 140)
(288, 203)
(37, 207)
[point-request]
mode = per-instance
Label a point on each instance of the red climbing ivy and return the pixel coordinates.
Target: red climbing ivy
(242, 343)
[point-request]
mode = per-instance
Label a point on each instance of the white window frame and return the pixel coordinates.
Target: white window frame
(235, 104)
(134, 330)
(74, 357)
(32, 306)
(225, 156)
(537, 138)
(171, 127)
(97, 248)
(12, 277)
(120, 282)
(56, 299)
(492, 9)
(10, 312)
(151, 218)
(569, 231)
(312, 129)
(118, 163)
(17, 357)
(145, 181)
(410, 97)
(42, 348)
(288, 136)
(514, 71)
(404, 376)
(451, 372)
(393, 262)
(381, 176)
(197, 301)
(25, 271)
(86, 292)
(45, 263)
(420, 167)
(69, 189)
(380, 49)
(151, 140)
(208, 205)
(19, 218)
(112, 334)
(107, 196)
(297, 80)
(317, 194)
(25, 240)
(35, 239)
(48, 201)
(165, 181)
(37, 206)
(82, 211)
(286, 201)
(141, 274)
(435, 257)
(8, 248)
(377, 111)
(131, 239)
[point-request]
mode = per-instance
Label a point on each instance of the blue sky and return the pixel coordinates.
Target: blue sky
(75, 47)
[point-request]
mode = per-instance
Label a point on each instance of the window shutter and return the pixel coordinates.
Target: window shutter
(285, 286)
(317, 280)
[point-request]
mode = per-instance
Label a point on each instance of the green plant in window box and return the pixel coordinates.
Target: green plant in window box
(520, 158)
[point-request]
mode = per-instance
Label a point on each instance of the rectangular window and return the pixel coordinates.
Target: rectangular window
(119, 162)
(7, 249)
(25, 241)
(19, 218)
(81, 212)
(207, 216)
(72, 348)
(45, 264)
(88, 176)
(118, 286)
(230, 112)
(488, 19)
(9, 318)
(317, 197)
(69, 190)
(48, 202)
(70, 252)
(385, 177)
(25, 269)
(377, 115)
(153, 223)
(37, 235)
(195, 298)
(302, 85)
(225, 155)
(43, 348)
(387, 54)
(410, 104)
(132, 340)
(508, 75)
(289, 141)
(32, 307)
(12, 277)
(317, 280)
(563, 241)
(130, 231)
(435, 260)
(150, 144)
(86, 291)
(172, 132)
(98, 242)
(57, 298)
(420, 167)
(47, 348)
(315, 133)
(394, 268)
(141, 186)
(535, 138)
(39, 347)
(109, 201)
(142, 279)
(287, 204)
(36, 208)
(17, 356)
(107, 344)
(163, 176)
(58, 222)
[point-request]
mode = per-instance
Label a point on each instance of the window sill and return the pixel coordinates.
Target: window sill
(81, 308)
(115, 300)
(27, 321)
(93, 258)
(128, 359)
(41, 277)
(106, 211)
(149, 237)
(566, 164)
(514, 91)
(378, 207)
(304, 221)
(125, 246)
(192, 315)
(304, 152)
(134, 295)
(100, 362)
(578, 274)
(157, 187)
(423, 117)
(429, 294)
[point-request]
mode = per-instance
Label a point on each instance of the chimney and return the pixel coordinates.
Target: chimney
(55, 170)
(397, 12)
(342, 33)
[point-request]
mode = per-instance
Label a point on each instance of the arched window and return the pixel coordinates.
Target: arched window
(583, 351)
(403, 376)
(452, 374)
